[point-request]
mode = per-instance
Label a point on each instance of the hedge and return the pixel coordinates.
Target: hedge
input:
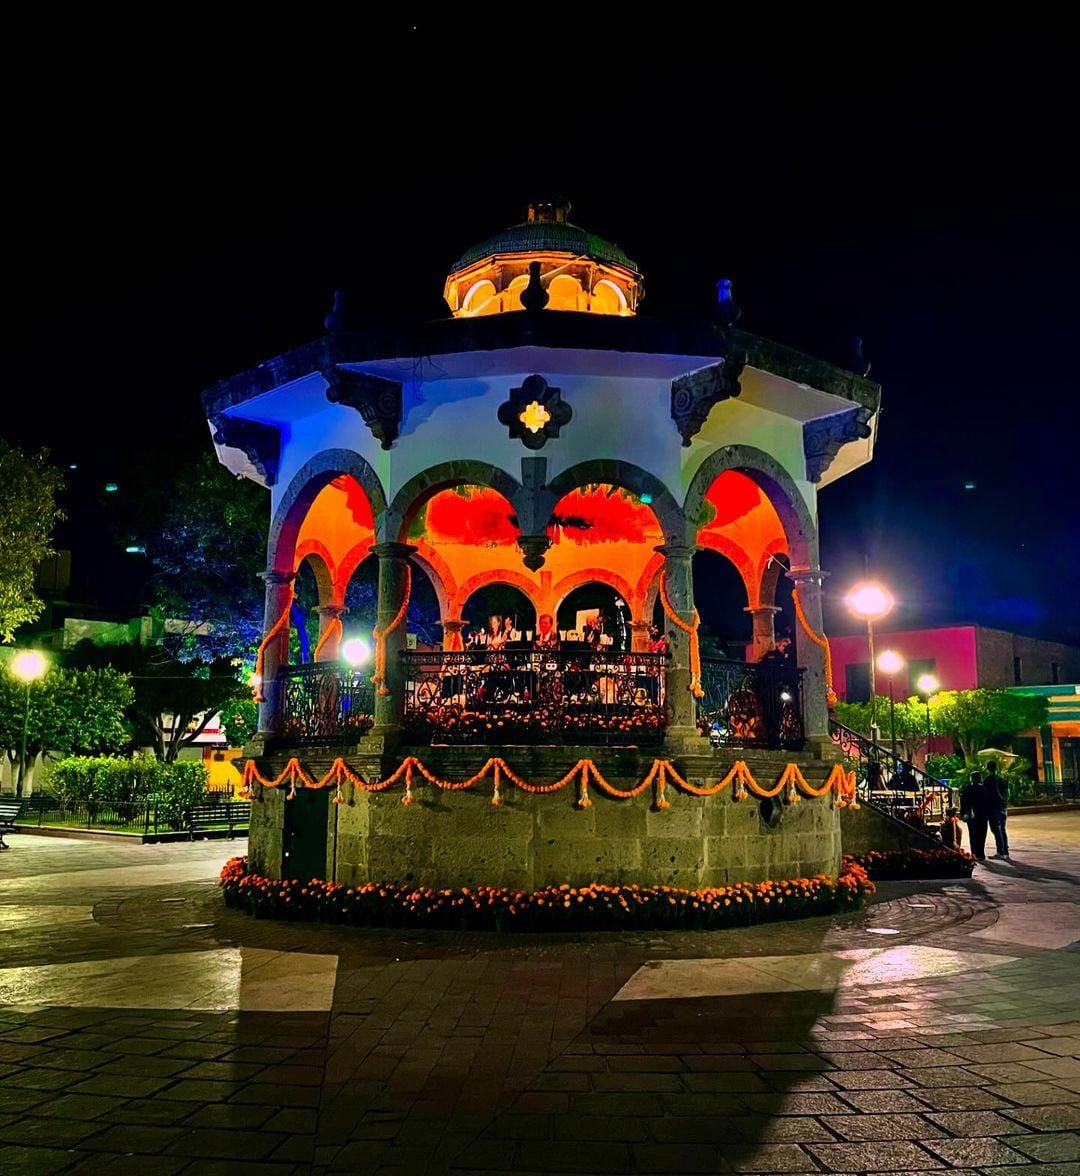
(128, 784)
(892, 865)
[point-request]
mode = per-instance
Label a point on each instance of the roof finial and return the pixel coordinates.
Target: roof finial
(553, 210)
(534, 297)
(726, 310)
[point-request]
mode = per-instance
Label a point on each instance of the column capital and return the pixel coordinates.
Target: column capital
(677, 551)
(453, 624)
(393, 550)
(331, 612)
(802, 575)
(277, 579)
(762, 609)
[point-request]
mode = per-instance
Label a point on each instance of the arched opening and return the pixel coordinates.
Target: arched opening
(422, 618)
(498, 614)
(720, 596)
(564, 293)
(480, 299)
(607, 298)
(594, 615)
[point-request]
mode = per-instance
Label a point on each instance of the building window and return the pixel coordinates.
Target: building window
(1018, 671)
(858, 682)
(1055, 673)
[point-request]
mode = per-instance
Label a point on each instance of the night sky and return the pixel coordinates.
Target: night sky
(182, 221)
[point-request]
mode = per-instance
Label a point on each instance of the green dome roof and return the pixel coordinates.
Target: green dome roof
(546, 236)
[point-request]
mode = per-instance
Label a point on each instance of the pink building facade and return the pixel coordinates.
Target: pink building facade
(961, 657)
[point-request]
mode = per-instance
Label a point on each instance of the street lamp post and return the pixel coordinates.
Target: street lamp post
(891, 663)
(870, 602)
(928, 686)
(28, 667)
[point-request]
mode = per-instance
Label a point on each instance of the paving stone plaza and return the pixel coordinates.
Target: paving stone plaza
(145, 1028)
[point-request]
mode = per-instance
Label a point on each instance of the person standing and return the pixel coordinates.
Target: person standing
(997, 807)
(973, 811)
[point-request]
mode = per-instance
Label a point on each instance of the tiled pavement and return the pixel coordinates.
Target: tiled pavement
(181, 1037)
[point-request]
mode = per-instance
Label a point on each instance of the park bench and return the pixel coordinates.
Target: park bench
(202, 817)
(9, 814)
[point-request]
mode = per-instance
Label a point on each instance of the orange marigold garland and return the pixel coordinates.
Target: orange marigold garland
(821, 641)
(335, 626)
(260, 653)
(380, 635)
(694, 687)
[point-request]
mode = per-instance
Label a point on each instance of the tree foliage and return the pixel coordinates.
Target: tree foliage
(910, 717)
(174, 697)
(207, 542)
(239, 720)
(979, 718)
(80, 712)
(28, 512)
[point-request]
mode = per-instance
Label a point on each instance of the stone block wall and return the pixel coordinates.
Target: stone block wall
(450, 838)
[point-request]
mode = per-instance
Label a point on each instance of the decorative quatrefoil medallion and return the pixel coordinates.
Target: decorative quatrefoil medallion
(535, 412)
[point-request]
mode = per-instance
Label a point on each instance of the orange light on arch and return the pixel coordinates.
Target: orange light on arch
(743, 525)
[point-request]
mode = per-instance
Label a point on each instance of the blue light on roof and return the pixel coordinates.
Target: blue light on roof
(135, 549)
(111, 487)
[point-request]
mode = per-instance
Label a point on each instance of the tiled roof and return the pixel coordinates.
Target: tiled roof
(546, 236)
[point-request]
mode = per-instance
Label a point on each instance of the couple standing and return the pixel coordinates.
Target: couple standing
(984, 802)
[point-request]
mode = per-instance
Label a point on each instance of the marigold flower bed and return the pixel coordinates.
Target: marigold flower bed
(554, 908)
(893, 865)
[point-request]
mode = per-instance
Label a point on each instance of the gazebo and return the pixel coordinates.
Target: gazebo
(547, 443)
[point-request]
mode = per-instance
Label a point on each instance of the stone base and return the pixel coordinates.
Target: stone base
(459, 838)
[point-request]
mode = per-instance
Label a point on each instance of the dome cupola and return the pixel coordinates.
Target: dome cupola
(577, 270)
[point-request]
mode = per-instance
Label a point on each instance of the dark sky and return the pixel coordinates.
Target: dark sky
(180, 219)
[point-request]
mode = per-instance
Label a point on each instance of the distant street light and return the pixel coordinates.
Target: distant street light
(891, 663)
(870, 602)
(355, 651)
(928, 686)
(28, 666)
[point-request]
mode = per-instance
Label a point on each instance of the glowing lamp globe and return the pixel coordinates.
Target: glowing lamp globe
(355, 651)
(29, 665)
(890, 662)
(928, 684)
(870, 601)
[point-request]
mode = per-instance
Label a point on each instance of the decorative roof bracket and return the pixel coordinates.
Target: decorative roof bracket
(694, 394)
(378, 400)
(260, 443)
(824, 437)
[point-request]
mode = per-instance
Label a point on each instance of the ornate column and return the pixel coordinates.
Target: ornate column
(680, 703)
(639, 636)
(452, 634)
(328, 648)
(393, 576)
(811, 656)
(278, 597)
(764, 638)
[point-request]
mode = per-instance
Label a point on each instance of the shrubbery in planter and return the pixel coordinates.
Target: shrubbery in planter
(554, 908)
(899, 864)
(126, 785)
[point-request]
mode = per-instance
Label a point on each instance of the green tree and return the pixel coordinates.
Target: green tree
(910, 721)
(174, 697)
(979, 718)
(80, 712)
(239, 720)
(28, 512)
(205, 533)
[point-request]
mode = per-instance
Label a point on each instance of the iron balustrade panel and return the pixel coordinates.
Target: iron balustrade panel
(534, 696)
(887, 780)
(747, 704)
(325, 703)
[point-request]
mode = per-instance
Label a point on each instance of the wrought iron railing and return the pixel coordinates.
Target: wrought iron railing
(889, 780)
(534, 696)
(750, 704)
(325, 702)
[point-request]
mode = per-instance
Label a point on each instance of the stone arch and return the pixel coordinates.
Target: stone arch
(649, 587)
(496, 576)
(776, 483)
(419, 488)
(627, 476)
(434, 567)
(735, 555)
(301, 491)
(590, 576)
(350, 563)
(769, 572)
(322, 567)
